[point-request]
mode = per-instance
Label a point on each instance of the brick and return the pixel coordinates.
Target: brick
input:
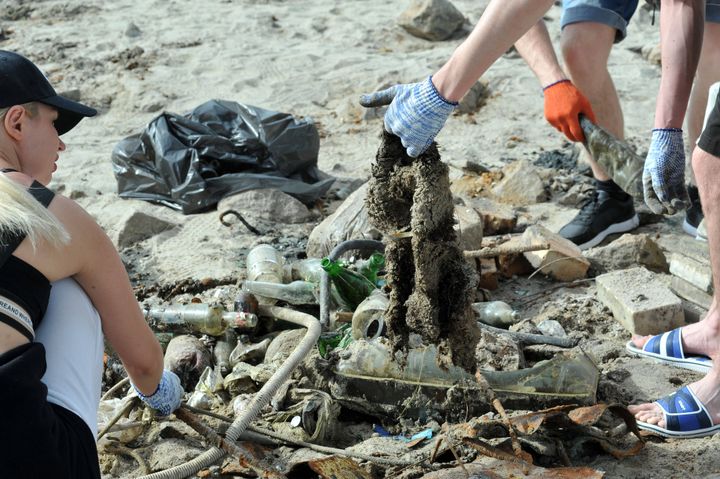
(488, 273)
(640, 301)
(498, 218)
(563, 261)
(695, 271)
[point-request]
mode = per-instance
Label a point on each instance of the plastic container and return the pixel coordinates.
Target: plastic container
(496, 313)
(265, 263)
(368, 319)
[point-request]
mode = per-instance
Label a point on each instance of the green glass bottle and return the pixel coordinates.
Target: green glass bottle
(372, 267)
(353, 287)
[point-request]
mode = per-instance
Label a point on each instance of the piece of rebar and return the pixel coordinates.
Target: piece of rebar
(115, 388)
(131, 403)
(528, 338)
(245, 458)
(491, 252)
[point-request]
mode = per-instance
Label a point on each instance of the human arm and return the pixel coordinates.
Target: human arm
(418, 111)
(91, 259)
(681, 31)
(563, 102)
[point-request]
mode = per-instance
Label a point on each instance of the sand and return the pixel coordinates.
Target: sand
(133, 59)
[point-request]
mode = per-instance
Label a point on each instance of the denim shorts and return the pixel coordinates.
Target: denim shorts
(617, 13)
(614, 13)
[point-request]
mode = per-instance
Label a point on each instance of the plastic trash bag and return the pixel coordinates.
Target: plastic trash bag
(189, 162)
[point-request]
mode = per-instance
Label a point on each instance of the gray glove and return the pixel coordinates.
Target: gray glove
(416, 114)
(664, 172)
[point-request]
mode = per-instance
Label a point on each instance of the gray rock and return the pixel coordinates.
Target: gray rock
(132, 31)
(267, 204)
(474, 99)
(521, 185)
(135, 226)
(498, 352)
(626, 252)
(469, 227)
(431, 19)
(550, 327)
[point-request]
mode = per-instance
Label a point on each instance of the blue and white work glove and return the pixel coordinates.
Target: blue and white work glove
(167, 396)
(664, 172)
(416, 114)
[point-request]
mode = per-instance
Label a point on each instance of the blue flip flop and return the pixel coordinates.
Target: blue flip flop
(667, 348)
(685, 416)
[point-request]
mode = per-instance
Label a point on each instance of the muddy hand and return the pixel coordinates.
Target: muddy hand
(416, 114)
(664, 172)
(563, 106)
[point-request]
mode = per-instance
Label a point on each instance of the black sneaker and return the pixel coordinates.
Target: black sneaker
(694, 213)
(600, 216)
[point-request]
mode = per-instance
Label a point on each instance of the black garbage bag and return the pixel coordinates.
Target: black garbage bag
(221, 148)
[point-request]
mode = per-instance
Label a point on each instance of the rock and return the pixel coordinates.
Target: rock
(488, 273)
(690, 293)
(187, 357)
(135, 226)
(550, 327)
(249, 352)
(627, 251)
(267, 204)
(498, 352)
(563, 261)
(132, 31)
(469, 228)
(498, 218)
(522, 184)
(474, 99)
(694, 271)
(431, 19)
(349, 221)
(640, 301)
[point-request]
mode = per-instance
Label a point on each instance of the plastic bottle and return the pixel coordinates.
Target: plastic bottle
(297, 292)
(371, 267)
(204, 318)
(265, 263)
(352, 287)
(367, 320)
(496, 313)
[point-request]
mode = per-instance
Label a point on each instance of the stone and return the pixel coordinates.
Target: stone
(432, 20)
(469, 228)
(640, 301)
(474, 99)
(522, 184)
(696, 272)
(349, 221)
(551, 327)
(267, 204)
(488, 273)
(690, 293)
(627, 251)
(563, 261)
(498, 352)
(134, 226)
(498, 218)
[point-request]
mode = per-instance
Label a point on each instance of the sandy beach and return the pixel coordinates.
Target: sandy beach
(133, 60)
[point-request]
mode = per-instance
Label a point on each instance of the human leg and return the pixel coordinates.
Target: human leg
(702, 337)
(589, 30)
(72, 335)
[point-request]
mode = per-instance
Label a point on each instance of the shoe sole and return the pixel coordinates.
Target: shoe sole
(690, 229)
(622, 227)
(687, 363)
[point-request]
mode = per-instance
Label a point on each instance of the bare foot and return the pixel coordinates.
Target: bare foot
(702, 337)
(707, 391)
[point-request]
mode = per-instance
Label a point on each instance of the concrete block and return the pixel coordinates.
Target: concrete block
(521, 185)
(690, 293)
(639, 301)
(628, 251)
(694, 271)
(563, 261)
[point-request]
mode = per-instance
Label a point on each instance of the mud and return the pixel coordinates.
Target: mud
(432, 286)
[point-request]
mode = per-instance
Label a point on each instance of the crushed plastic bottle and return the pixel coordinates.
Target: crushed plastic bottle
(496, 313)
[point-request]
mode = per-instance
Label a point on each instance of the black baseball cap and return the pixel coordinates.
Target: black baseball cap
(22, 82)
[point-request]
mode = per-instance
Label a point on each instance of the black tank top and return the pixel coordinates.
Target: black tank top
(24, 291)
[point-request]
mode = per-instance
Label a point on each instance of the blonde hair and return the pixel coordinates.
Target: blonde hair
(22, 214)
(31, 109)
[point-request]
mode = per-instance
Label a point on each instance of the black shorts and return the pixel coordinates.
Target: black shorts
(710, 138)
(39, 439)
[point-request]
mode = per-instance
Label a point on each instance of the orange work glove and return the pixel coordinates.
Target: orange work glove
(563, 106)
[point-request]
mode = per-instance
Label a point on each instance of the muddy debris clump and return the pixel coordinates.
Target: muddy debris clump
(432, 285)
